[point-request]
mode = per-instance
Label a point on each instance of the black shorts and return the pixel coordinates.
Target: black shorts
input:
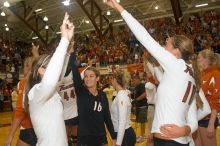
(72, 122)
(129, 137)
(92, 140)
(163, 142)
(205, 123)
(28, 136)
(141, 114)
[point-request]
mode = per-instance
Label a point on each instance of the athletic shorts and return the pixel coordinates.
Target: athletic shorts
(163, 142)
(129, 137)
(72, 122)
(205, 123)
(91, 140)
(28, 136)
(141, 116)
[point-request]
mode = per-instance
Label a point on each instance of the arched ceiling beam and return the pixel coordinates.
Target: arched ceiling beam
(176, 10)
(30, 18)
(93, 12)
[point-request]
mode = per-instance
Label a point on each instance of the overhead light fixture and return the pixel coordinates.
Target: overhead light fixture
(6, 4)
(108, 13)
(66, 2)
(156, 7)
(119, 20)
(34, 38)
(46, 27)
(45, 18)
(3, 13)
(7, 29)
(201, 5)
(118, 1)
(6, 25)
(87, 21)
(38, 10)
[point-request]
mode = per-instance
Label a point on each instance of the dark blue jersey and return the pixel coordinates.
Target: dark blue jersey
(93, 111)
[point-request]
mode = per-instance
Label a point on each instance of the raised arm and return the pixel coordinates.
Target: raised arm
(78, 82)
(165, 59)
(65, 64)
(66, 61)
(51, 76)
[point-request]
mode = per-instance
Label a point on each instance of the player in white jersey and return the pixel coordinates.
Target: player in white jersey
(45, 107)
(66, 90)
(121, 110)
(151, 88)
(177, 87)
(203, 108)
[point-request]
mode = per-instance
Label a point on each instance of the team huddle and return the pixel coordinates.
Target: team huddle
(59, 107)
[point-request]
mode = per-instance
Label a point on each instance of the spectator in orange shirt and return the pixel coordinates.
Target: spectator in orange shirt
(209, 64)
(27, 136)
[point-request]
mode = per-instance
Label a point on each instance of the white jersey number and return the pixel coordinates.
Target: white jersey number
(97, 106)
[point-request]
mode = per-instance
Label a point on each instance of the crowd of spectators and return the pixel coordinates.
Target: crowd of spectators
(121, 47)
(12, 55)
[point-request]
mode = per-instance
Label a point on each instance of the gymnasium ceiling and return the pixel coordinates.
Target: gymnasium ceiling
(54, 10)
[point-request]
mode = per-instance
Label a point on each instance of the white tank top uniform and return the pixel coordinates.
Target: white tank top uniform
(120, 114)
(45, 106)
(201, 113)
(176, 89)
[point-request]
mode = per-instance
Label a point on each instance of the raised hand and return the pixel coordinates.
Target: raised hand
(113, 4)
(67, 28)
(110, 3)
(35, 50)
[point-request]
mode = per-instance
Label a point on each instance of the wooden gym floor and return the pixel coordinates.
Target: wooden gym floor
(6, 118)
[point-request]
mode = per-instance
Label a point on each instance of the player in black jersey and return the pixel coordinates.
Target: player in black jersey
(93, 108)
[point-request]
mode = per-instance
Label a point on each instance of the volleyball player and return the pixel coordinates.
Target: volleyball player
(121, 110)
(93, 108)
(45, 107)
(21, 119)
(209, 63)
(66, 90)
(176, 89)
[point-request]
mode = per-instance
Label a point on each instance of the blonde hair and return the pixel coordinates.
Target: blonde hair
(213, 58)
(185, 46)
(97, 73)
(34, 77)
(121, 77)
(28, 64)
(28, 61)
